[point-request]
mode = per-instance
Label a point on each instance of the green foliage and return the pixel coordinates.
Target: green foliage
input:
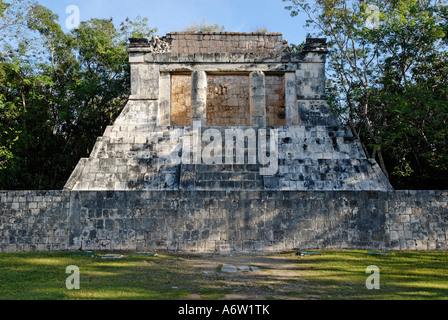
(204, 26)
(139, 28)
(13, 29)
(260, 29)
(294, 48)
(388, 81)
(57, 97)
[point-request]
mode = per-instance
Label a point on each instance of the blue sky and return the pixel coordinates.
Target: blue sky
(174, 15)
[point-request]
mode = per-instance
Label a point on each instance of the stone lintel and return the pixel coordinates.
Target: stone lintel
(225, 57)
(227, 68)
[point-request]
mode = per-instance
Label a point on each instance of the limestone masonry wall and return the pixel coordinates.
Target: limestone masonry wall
(228, 100)
(195, 221)
(181, 100)
(275, 101)
(193, 42)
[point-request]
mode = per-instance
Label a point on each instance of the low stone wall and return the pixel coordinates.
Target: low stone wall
(199, 221)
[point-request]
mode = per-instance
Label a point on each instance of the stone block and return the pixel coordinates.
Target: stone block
(144, 82)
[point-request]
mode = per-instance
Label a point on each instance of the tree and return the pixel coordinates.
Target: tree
(55, 102)
(13, 29)
(15, 44)
(380, 62)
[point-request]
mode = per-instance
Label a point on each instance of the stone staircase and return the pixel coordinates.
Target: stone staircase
(140, 157)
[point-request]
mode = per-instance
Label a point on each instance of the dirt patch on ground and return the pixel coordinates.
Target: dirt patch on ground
(278, 276)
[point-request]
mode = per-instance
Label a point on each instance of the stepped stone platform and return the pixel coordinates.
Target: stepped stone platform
(309, 158)
(143, 150)
(227, 140)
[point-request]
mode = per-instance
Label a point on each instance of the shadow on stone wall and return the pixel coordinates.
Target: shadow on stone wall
(199, 221)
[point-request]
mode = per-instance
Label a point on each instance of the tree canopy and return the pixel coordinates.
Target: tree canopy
(58, 95)
(387, 80)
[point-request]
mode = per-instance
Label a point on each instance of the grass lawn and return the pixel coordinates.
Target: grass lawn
(331, 275)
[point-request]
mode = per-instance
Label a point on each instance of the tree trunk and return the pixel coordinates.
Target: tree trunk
(382, 164)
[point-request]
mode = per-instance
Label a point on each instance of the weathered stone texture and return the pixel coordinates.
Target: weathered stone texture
(139, 112)
(258, 99)
(231, 42)
(311, 81)
(199, 97)
(200, 221)
(227, 89)
(34, 220)
(164, 112)
(144, 81)
(181, 100)
(145, 186)
(228, 100)
(131, 157)
(275, 101)
(316, 113)
(291, 105)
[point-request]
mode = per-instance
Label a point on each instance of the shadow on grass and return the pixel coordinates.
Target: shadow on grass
(333, 275)
(41, 276)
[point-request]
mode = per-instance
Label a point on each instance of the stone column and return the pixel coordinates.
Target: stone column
(258, 99)
(292, 108)
(144, 75)
(199, 97)
(142, 107)
(164, 113)
(311, 81)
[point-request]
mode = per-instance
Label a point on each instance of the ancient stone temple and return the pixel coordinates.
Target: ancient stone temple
(227, 141)
(227, 111)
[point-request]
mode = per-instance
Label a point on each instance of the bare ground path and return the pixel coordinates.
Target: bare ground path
(278, 277)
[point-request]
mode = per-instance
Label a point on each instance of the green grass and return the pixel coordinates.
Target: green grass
(332, 275)
(30, 276)
(403, 275)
